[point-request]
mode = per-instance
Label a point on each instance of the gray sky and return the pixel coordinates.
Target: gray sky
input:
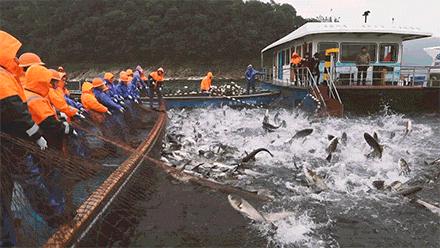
(424, 14)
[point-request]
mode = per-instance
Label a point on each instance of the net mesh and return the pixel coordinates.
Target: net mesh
(52, 197)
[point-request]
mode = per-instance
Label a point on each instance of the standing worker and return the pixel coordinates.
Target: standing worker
(295, 61)
(17, 122)
(205, 84)
(315, 69)
(363, 61)
(250, 75)
(137, 83)
(155, 82)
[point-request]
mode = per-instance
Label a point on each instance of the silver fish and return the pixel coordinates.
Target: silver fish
(314, 180)
(245, 208)
(403, 167)
(408, 127)
(331, 148)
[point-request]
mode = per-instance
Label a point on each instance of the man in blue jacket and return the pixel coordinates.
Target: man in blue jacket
(116, 123)
(137, 83)
(112, 86)
(250, 75)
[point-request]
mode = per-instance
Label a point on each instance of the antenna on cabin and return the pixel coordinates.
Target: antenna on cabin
(366, 13)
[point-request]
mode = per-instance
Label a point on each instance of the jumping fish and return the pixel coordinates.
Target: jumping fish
(377, 148)
(408, 127)
(251, 156)
(344, 138)
(435, 161)
(429, 206)
(301, 134)
(331, 148)
(314, 180)
(403, 167)
(269, 127)
(246, 209)
(376, 137)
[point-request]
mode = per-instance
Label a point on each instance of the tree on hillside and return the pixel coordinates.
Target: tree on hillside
(105, 31)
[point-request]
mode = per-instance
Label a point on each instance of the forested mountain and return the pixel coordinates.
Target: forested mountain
(147, 31)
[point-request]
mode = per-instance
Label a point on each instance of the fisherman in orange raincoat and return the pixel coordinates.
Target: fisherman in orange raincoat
(15, 121)
(205, 84)
(43, 113)
(295, 61)
(154, 83)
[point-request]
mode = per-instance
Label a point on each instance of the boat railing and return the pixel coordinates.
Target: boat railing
(348, 75)
(332, 89)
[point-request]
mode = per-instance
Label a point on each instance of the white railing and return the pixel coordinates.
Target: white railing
(426, 76)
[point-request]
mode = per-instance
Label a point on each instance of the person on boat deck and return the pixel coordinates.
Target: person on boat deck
(112, 86)
(295, 61)
(205, 84)
(250, 75)
(58, 101)
(25, 61)
(43, 113)
(155, 82)
(15, 121)
(315, 67)
(363, 61)
(137, 83)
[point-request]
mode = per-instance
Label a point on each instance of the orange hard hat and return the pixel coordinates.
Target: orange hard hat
(28, 59)
(56, 75)
(9, 47)
(129, 72)
(123, 76)
(108, 76)
(210, 74)
(97, 82)
(38, 79)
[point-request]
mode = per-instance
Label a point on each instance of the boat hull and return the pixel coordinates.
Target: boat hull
(254, 100)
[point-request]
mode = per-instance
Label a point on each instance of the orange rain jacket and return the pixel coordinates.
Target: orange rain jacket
(57, 98)
(205, 85)
(14, 116)
(158, 79)
(37, 88)
(89, 100)
(295, 59)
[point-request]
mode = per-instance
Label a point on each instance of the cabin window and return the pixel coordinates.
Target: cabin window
(388, 53)
(322, 46)
(283, 56)
(298, 50)
(350, 51)
(287, 58)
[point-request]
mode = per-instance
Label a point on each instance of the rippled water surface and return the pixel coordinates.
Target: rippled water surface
(352, 213)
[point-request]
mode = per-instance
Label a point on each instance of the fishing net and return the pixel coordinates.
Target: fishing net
(51, 197)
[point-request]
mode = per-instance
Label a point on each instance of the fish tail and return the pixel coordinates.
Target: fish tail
(329, 157)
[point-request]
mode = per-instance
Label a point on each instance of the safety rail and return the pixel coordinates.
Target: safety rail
(377, 75)
(332, 88)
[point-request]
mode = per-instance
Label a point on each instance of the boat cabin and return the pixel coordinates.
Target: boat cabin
(384, 44)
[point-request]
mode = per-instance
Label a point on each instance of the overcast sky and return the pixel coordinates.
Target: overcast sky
(424, 14)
